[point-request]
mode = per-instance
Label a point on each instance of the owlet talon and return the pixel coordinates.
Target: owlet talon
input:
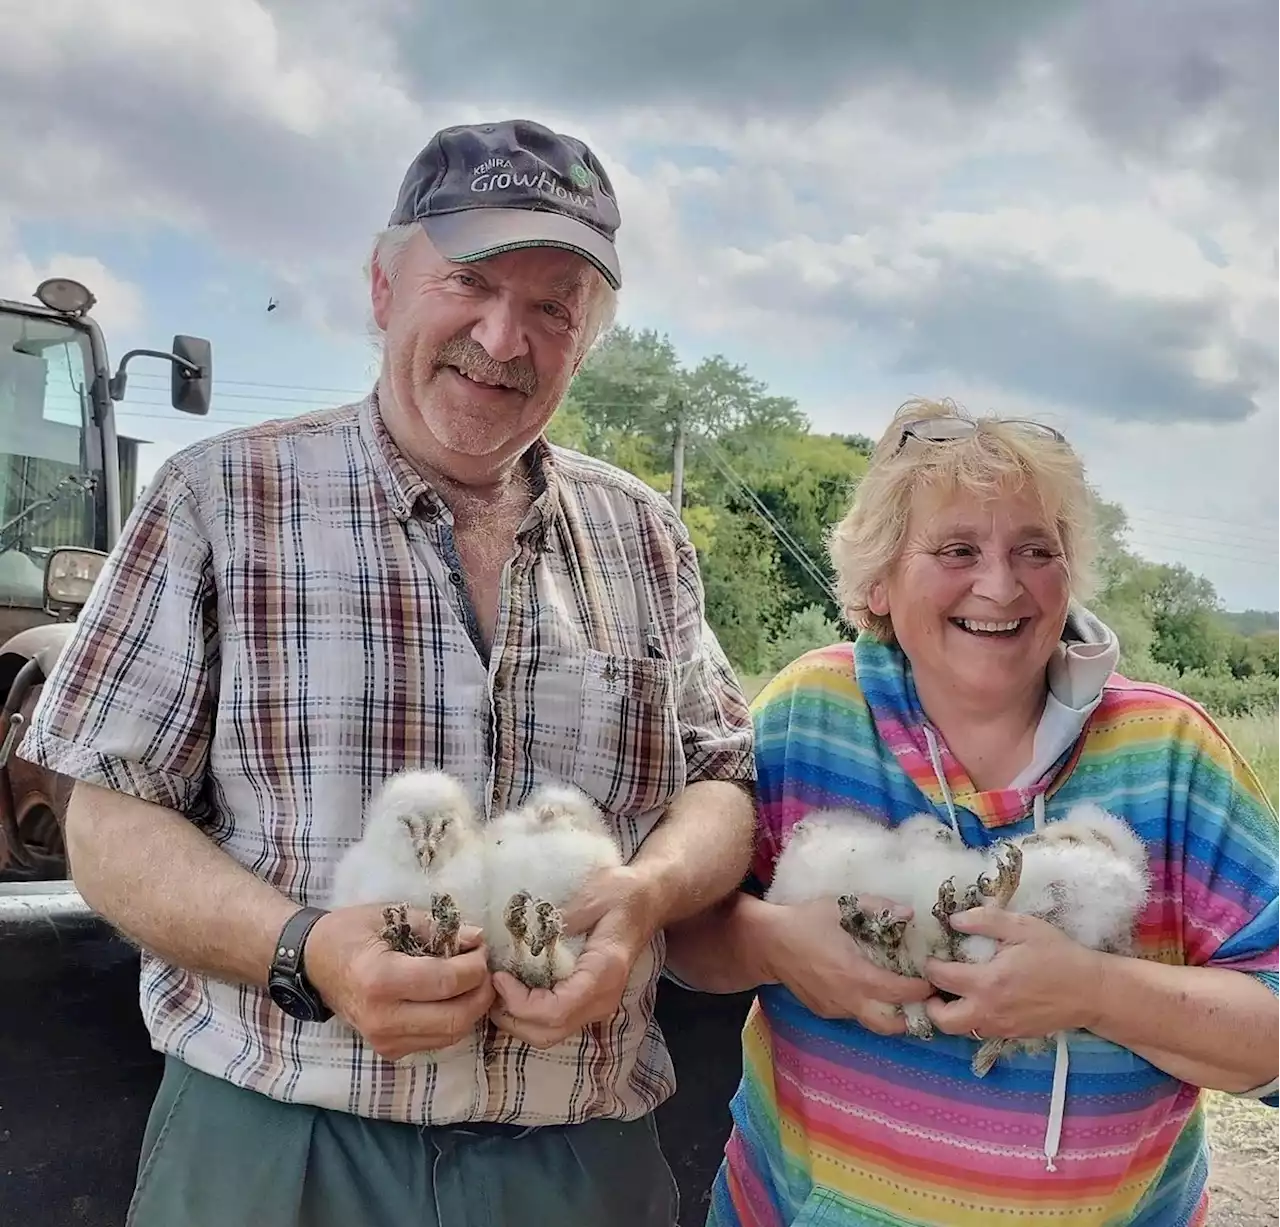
(398, 934)
(515, 917)
(446, 924)
(1008, 873)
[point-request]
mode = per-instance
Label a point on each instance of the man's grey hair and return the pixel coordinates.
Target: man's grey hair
(390, 245)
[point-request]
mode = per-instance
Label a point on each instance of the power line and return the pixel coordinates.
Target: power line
(1238, 545)
(789, 543)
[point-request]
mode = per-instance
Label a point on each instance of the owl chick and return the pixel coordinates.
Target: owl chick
(845, 855)
(1087, 874)
(421, 847)
(538, 857)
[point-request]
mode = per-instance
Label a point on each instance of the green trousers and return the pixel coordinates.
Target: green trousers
(214, 1155)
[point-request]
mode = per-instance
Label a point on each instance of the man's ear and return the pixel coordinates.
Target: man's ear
(380, 294)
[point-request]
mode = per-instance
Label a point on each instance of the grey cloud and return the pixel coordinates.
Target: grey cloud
(732, 56)
(1021, 328)
(1082, 344)
(1175, 80)
(179, 148)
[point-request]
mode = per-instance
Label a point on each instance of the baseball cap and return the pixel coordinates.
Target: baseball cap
(481, 189)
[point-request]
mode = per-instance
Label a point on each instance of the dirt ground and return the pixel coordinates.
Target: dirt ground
(1244, 1168)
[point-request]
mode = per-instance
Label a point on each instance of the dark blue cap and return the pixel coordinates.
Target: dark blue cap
(482, 189)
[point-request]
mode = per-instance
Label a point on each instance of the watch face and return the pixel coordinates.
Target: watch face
(291, 1000)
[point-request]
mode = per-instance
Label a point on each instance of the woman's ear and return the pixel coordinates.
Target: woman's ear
(878, 599)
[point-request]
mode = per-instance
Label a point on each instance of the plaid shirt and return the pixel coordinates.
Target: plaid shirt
(284, 624)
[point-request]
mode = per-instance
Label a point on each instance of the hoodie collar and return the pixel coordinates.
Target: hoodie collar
(1077, 673)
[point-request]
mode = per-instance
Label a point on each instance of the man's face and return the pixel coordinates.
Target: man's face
(479, 355)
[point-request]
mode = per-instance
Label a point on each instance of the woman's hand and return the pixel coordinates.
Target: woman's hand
(804, 948)
(1039, 982)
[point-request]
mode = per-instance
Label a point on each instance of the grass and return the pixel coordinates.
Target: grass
(1257, 737)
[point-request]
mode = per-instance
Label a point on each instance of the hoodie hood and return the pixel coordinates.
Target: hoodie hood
(1084, 659)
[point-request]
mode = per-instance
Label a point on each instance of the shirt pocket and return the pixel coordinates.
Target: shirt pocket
(628, 754)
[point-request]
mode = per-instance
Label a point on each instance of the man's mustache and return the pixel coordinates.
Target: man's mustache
(471, 358)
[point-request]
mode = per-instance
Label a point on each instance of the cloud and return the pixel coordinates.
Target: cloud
(726, 56)
(1069, 200)
(120, 302)
(217, 120)
(1120, 315)
(1178, 81)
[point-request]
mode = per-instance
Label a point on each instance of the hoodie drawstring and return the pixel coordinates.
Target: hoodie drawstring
(1062, 1058)
(935, 757)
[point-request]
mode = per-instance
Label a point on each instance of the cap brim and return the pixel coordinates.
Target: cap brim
(475, 234)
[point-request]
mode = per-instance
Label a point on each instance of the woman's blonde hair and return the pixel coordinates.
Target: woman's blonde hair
(998, 457)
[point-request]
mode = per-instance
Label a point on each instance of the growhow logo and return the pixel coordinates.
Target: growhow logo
(498, 175)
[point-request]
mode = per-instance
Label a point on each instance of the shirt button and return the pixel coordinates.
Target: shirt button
(455, 578)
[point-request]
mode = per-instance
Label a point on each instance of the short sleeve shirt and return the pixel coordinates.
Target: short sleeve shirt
(284, 624)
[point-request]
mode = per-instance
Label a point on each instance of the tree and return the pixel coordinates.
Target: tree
(762, 491)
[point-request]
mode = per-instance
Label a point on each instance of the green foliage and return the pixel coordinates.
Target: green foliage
(745, 592)
(1253, 622)
(1172, 630)
(750, 457)
(806, 630)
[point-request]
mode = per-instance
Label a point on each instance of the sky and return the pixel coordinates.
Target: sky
(1064, 210)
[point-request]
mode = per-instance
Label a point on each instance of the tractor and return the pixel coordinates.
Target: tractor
(67, 479)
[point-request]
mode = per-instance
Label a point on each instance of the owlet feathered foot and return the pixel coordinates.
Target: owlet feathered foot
(880, 934)
(991, 1051)
(1008, 875)
(535, 927)
(943, 910)
(446, 922)
(539, 971)
(398, 934)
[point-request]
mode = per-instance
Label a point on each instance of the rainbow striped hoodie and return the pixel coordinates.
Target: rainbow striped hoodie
(835, 1125)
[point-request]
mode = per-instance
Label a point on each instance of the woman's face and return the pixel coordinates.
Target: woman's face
(978, 596)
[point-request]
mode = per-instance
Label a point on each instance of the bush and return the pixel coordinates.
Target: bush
(1223, 695)
(807, 629)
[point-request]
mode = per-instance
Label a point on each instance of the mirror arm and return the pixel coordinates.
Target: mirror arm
(118, 381)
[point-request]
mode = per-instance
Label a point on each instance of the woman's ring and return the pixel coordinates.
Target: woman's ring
(976, 1036)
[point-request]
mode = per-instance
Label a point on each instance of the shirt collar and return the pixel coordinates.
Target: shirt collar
(405, 487)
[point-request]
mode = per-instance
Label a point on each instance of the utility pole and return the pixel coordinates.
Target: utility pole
(677, 463)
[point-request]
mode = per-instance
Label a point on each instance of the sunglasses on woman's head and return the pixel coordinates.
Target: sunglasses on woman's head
(948, 430)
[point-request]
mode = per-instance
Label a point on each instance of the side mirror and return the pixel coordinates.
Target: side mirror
(69, 576)
(192, 393)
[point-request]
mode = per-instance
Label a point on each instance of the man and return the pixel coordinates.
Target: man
(298, 610)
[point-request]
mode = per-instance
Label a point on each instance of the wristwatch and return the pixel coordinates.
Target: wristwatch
(287, 983)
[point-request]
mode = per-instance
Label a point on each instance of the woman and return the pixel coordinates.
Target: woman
(980, 691)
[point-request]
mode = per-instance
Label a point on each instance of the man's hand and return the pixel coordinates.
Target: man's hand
(615, 908)
(1039, 982)
(804, 948)
(400, 1003)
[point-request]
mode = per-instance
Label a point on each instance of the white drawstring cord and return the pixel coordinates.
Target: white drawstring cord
(935, 757)
(1061, 1060)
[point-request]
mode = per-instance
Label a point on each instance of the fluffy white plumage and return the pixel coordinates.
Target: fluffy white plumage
(1086, 873)
(421, 839)
(422, 842)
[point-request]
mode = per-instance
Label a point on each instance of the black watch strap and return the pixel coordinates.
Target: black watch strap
(287, 968)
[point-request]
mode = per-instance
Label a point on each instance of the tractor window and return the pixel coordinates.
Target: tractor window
(47, 480)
